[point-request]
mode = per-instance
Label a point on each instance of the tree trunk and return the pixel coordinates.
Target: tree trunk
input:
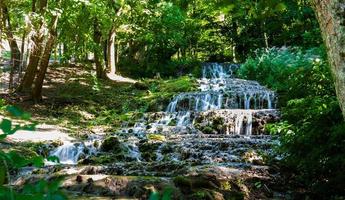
(36, 52)
(44, 62)
(331, 17)
(97, 37)
(32, 66)
(111, 63)
(22, 59)
(15, 52)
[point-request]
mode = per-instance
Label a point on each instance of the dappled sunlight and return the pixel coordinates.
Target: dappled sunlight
(119, 78)
(172, 99)
(42, 133)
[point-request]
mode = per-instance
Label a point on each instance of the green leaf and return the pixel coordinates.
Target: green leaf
(3, 136)
(154, 196)
(167, 194)
(53, 159)
(38, 161)
(2, 174)
(6, 126)
(14, 111)
(280, 7)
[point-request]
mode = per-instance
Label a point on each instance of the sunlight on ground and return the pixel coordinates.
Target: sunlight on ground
(42, 133)
(118, 78)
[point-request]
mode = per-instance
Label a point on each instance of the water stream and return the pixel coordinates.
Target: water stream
(217, 124)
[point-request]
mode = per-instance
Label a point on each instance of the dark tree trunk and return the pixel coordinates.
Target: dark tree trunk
(15, 52)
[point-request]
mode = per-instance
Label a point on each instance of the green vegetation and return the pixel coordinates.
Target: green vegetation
(64, 61)
(85, 102)
(312, 131)
(16, 158)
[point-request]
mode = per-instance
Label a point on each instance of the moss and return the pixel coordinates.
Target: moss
(167, 149)
(111, 144)
(218, 124)
(148, 151)
(184, 183)
(156, 137)
(201, 195)
(24, 152)
(207, 130)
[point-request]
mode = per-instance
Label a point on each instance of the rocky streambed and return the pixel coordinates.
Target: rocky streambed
(209, 144)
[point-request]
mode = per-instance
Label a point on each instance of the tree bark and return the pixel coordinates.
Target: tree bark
(44, 62)
(97, 37)
(36, 52)
(15, 52)
(111, 62)
(32, 66)
(331, 17)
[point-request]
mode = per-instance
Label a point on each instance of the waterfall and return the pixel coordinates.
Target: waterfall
(220, 90)
(68, 153)
(195, 124)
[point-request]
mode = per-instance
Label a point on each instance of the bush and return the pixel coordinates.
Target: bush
(276, 66)
(312, 141)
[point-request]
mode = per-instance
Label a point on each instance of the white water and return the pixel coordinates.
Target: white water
(68, 153)
(238, 102)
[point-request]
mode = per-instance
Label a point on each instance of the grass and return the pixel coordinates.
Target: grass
(75, 99)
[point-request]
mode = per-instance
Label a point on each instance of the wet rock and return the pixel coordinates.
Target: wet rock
(148, 150)
(111, 144)
(79, 179)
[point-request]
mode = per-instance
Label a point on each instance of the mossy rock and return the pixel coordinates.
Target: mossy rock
(148, 151)
(24, 152)
(201, 195)
(167, 149)
(156, 137)
(111, 144)
(208, 130)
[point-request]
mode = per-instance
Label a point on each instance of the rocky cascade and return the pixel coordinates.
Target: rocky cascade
(221, 123)
(211, 141)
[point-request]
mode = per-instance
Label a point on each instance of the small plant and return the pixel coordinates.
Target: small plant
(13, 160)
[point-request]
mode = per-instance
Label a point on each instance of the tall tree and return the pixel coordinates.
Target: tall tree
(44, 61)
(331, 17)
(15, 52)
(37, 49)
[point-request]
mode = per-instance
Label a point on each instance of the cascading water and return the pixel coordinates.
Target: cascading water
(216, 124)
(68, 153)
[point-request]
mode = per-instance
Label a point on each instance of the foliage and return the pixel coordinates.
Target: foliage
(15, 160)
(312, 131)
(283, 69)
(83, 103)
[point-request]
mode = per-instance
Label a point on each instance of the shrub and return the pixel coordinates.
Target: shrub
(312, 141)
